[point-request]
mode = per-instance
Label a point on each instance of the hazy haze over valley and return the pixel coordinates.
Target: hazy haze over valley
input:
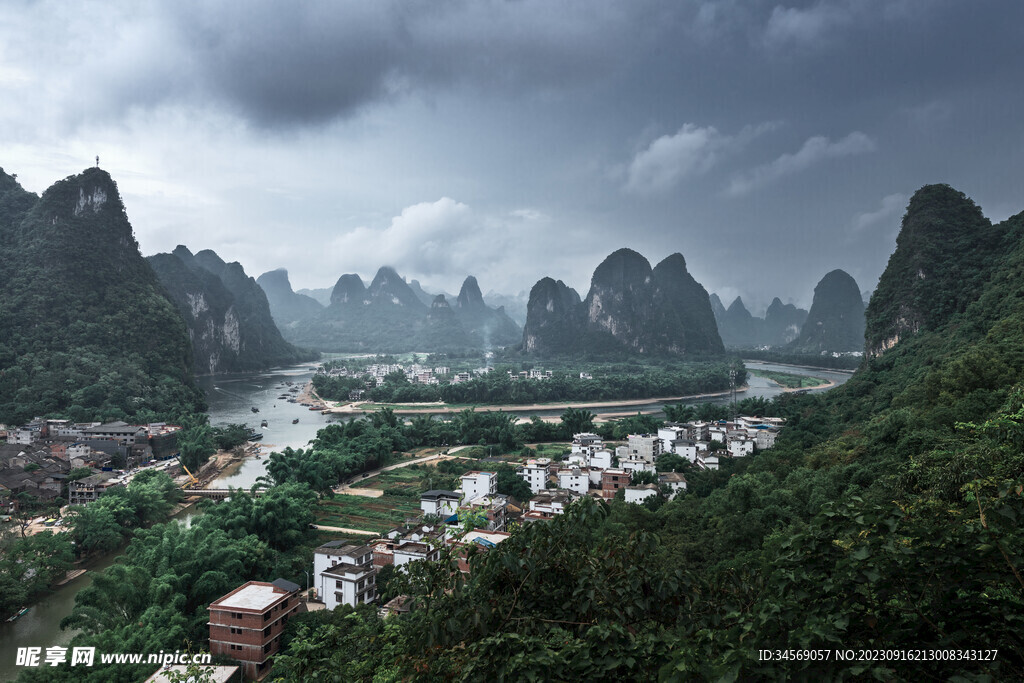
(761, 140)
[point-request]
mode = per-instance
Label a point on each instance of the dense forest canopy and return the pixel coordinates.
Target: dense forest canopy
(88, 331)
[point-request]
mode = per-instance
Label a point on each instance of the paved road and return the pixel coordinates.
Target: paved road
(343, 530)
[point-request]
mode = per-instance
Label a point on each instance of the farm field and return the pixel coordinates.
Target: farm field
(372, 514)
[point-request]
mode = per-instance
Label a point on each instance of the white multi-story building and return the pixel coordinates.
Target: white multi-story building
(414, 551)
(574, 479)
(535, 473)
(476, 484)
(586, 443)
(344, 574)
(740, 446)
(646, 446)
(601, 460)
(674, 481)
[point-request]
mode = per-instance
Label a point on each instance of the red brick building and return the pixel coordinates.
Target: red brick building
(246, 624)
(612, 480)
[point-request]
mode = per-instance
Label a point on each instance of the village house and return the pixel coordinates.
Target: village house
(612, 480)
(673, 480)
(535, 473)
(439, 503)
(413, 551)
(546, 505)
(638, 494)
(246, 624)
(476, 484)
(89, 489)
(575, 479)
(344, 574)
(644, 446)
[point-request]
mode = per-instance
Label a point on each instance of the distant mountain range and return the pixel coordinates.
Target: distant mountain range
(630, 308)
(835, 322)
(391, 315)
(226, 312)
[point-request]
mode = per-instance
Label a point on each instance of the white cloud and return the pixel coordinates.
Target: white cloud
(441, 242)
(890, 207)
(813, 151)
(804, 26)
(693, 150)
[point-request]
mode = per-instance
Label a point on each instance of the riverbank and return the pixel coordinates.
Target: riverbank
(845, 371)
(440, 408)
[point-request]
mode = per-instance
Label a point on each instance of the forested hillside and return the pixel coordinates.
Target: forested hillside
(885, 518)
(87, 330)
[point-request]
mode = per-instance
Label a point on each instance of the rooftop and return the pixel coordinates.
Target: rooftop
(255, 595)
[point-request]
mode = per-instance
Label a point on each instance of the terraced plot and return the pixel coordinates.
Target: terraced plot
(372, 514)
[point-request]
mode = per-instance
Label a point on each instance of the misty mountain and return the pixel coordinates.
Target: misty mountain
(740, 329)
(226, 312)
(782, 323)
(491, 326)
(287, 307)
(322, 295)
(390, 315)
(630, 307)
(88, 330)
(836, 319)
(515, 306)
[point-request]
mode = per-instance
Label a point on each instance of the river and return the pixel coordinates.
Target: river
(40, 626)
(231, 400)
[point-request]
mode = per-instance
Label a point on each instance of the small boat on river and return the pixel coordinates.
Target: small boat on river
(17, 614)
(295, 421)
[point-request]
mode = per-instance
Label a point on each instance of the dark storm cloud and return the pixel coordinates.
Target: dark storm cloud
(739, 132)
(279, 65)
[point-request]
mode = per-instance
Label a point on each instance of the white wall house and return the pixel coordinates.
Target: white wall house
(535, 473)
(638, 494)
(739, 447)
(439, 502)
(601, 460)
(635, 464)
(574, 479)
(476, 484)
(414, 552)
(344, 574)
(673, 480)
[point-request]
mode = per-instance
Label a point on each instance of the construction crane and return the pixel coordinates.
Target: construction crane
(192, 482)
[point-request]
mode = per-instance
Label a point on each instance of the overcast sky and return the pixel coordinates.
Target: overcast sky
(767, 142)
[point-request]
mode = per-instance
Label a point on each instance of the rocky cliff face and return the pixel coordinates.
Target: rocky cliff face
(836, 319)
(286, 306)
(553, 318)
(682, 310)
(226, 312)
(943, 254)
(88, 331)
(629, 307)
